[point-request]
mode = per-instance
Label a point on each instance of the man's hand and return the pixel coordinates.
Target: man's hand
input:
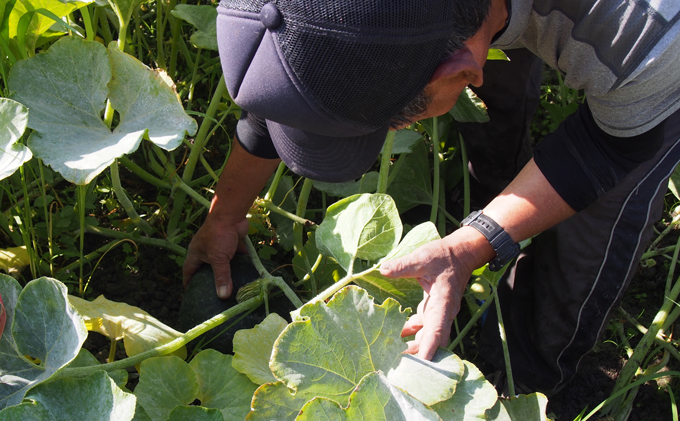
(220, 236)
(215, 243)
(442, 268)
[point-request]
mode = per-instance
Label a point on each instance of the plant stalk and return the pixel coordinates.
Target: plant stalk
(385, 162)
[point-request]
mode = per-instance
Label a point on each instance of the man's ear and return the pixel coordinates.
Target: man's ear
(461, 64)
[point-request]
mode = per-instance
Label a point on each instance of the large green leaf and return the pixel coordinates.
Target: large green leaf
(168, 382)
(404, 141)
(204, 19)
(94, 398)
(253, 349)
(412, 186)
(65, 89)
(220, 386)
(405, 290)
(3, 316)
(474, 395)
(86, 359)
(375, 399)
(44, 327)
(339, 344)
(428, 381)
(13, 119)
(365, 226)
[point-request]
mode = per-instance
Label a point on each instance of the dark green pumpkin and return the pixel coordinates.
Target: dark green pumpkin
(201, 302)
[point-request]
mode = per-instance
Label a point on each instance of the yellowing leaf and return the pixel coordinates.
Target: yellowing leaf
(14, 259)
(138, 330)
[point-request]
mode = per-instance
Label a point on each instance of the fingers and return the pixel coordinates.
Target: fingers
(223, 284)
(412, 326)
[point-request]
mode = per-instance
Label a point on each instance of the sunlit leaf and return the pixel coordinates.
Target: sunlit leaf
(220, 386)
(40, 23)
(469, 108)
(147, 100)
(428, 381)
(253, 349)
(526, 407)
(674, 182)
(375, 399)
(474, 395)
(204, 19)
(339, 344)
(44, 327)
(94, 398)
(14, 259)
(66, 102)
(496, 54)
(13, 119)
(365, 226)
(138, 330)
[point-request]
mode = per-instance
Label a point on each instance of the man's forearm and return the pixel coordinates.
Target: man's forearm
(529, 205)
(244, 176)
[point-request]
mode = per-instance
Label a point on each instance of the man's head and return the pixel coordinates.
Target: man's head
(330, 76)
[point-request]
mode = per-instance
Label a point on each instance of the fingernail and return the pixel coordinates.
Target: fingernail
(223, 292)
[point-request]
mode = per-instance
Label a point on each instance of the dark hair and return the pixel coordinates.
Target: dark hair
(468, 18)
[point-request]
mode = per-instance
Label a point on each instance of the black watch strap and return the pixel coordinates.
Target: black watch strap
(505, 248)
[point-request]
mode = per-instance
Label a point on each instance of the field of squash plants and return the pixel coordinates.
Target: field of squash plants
(115, 124)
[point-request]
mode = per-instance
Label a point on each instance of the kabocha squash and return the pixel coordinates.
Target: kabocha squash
(200, 303)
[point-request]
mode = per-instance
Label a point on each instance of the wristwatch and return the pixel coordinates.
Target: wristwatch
(505, 248)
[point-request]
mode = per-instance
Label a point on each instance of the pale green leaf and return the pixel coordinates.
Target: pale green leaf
(428, 381)
(469, 108)
(366, 184)
(474, 395)
(146, 100)
(65, 89)
(65, 102)
(164, 383)
(86, 359)
(253, 348)
(274, 401)
(220, 386)
(13, 119)
(194, 413)
(412, 186)
(340, 342)
(405, 290)
(44, 327)
(138, 329)
(204, 19)
(375, 399)
(365, 226)
(93, 398)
